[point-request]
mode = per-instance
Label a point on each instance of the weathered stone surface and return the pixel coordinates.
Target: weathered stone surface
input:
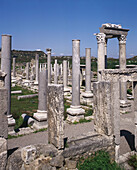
(15, 161)
(27, 96)
(3, 160)
(56, 115)
(3, 112)
(3, 145)
(28, 154)
(70, 164)
(57, 161)
(2, 78)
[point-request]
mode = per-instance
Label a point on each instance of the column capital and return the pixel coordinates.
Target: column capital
(48, 50)
(122, 39)
(100, 38)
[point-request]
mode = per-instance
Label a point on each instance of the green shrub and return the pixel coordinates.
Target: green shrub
(133, 161)
(98, 161)
(129, 91)
(89, 112)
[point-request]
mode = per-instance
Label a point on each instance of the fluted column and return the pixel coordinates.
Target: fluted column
(37, 68)
(27, 71)
(101, 52)
(49, 64)
(122, 51)
(55, 72)
(65, 76)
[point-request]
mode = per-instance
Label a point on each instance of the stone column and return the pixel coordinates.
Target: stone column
(106, 53)
(75, 112)
(87, 95)
(56, 115)
(27, 71)
(14, 67)
(122, 51)
(41, 115)
(55, 73)
(135, 110)
(37, 68)
(49, 64)
(6, 68)
(61, 69)
(101, 52)
(122, 65)
(65, 76)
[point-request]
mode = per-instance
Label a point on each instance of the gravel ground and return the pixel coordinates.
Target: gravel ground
(126, 140)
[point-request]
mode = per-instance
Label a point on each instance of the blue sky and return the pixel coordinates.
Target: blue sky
(41, 24)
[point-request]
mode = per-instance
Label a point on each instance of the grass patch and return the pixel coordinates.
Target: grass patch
(129, 91)
(18, 107)
(82, 121)
(98, 161)
(133, 161)
(11, 137)
(66, 106)
(40, 130)
(89, 112)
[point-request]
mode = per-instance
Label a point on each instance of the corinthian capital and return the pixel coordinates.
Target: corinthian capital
(100, 37)
(48, 50)
(122, 39)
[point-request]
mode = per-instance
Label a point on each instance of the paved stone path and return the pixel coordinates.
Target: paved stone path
(127, 134)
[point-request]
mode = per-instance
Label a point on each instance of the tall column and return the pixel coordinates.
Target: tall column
(14, 66)
(37, 68)
(122, 51)
(87, 95)
(6, 68)
(55, 73)
(6, 65)
(106, 53)
(65, 76)
(27, 71)
(49, 64)
(101, 52)
(41, 115)
(124, 104)
(75, 112)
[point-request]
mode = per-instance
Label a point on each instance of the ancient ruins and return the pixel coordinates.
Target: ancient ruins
(65, 140)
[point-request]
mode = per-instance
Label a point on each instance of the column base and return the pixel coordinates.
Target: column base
(66, 89)
(11, 123)
(75, 113)
(36, 83)
(40, 120)
(87, 98)
(125, 106)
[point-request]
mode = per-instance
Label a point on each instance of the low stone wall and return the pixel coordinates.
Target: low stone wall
(48, 157)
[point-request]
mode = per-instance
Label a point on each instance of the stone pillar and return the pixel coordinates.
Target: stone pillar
(75, 112)
(122, 51)
(14, 67)
(6, 68)
(37, 68)
(27, 71)
(106, 53)
(125, 106)
(55, 73)
(41, 115)
(56, 115)
(135, 110)
(61, 69)
(49, 64)
(101, 52)
(87, 95)
(51, 70)
(65, 76)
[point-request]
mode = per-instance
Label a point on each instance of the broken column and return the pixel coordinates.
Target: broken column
(65, 76)
(6, 68)
(101, 53)
(3, 122)
(56, 115)
(49, 64)
(41, 115)
(87, 95)
(37, 69)
(55, 72)
(27, 71)
(75, 112)
(107, 111)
